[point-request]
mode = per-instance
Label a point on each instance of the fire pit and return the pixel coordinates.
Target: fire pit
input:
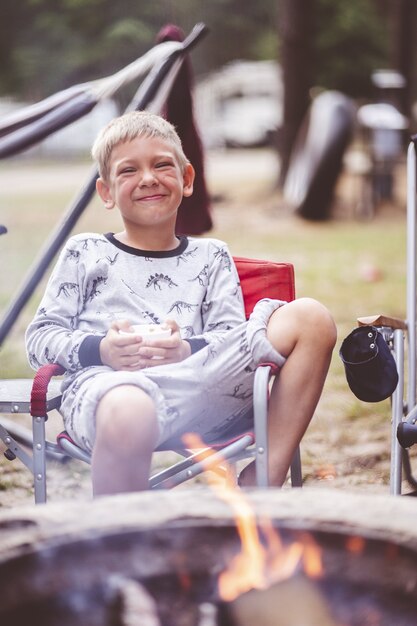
(158, 557)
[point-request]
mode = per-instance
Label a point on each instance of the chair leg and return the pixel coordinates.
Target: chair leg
(39, 459)
(36, 463)
(201, 461)
(260, 409)
(296, 472)
(260, 414)
(14, 449)
(397, 415)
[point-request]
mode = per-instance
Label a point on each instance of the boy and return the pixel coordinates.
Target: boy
(123, 393)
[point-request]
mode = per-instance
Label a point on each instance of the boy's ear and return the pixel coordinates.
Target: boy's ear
(103, 191)
(188, 176)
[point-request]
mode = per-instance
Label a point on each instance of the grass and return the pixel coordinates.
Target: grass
(352, 266)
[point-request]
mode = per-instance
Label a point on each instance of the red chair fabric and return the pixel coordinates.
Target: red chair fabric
(264, 279)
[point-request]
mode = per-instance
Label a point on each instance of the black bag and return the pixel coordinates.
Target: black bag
(370, 368)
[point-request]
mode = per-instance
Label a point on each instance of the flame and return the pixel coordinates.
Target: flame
(256, 566)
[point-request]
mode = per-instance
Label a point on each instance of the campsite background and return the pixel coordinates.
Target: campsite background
(354, 262)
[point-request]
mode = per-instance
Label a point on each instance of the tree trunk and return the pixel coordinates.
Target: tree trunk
(404, 47)
(295, 30)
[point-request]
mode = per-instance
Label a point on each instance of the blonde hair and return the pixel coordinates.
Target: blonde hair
(126, 128)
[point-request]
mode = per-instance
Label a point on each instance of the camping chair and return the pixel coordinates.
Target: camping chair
(259, 279)
(405, 415)
(400, 336)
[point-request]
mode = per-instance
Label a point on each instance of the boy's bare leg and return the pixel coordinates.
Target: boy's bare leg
(304, 332)
(126, 436)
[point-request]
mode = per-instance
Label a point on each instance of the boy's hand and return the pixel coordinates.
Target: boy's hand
(172, 349)
(130, 352)
(120, 351)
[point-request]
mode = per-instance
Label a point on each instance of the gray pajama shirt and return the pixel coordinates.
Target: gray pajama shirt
(98, 280)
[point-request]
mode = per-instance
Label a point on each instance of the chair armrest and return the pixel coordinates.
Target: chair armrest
(38, 395)
(275, 369)
(382, 320)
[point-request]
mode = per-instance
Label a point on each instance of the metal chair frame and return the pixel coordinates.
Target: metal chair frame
(401, 338)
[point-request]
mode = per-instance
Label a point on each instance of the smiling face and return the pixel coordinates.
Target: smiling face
(146, 183)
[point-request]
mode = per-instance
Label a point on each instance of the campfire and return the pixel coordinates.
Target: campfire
(189, 558)
(263, 559)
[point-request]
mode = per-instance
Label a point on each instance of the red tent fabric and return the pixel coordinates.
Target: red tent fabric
(194, 217)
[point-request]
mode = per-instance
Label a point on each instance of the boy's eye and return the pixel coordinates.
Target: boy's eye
(163, 164)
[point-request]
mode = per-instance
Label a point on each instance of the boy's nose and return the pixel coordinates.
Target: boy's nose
(147, 178)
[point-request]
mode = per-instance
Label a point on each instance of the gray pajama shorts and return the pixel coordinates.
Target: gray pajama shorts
(210, 393)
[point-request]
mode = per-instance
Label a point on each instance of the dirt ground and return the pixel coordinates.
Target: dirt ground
(341, 456)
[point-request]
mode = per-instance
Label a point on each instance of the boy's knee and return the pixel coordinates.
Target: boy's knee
(317, 320)
(305, 320)
(128, 412)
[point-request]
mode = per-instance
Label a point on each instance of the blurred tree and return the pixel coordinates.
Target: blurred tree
(47, 45)
(239, 29)
(351, 40)
(295, 31)
(62, 42)
(12, 14)
(402, 15)
(321, 40)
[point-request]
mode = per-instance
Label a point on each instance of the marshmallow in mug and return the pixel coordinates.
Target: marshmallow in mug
(148, 331)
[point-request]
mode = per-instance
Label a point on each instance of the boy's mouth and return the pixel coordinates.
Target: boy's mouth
(150, 197)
